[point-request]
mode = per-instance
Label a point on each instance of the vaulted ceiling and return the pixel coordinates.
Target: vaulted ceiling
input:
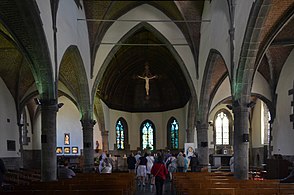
(120, 88)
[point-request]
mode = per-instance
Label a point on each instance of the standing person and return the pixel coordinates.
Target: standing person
(131, 160)
(105, 164)
(64, 172)
(194, 162)
(180, 162)
(186, 163)
(138, 155)
(171, 164)
(150, 161)
(167, 155)
(141, 170)
(160, 172)
(2, 171)
(232, 164)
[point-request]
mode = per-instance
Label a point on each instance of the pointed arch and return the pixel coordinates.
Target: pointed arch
(148, 135)
(168, 45)
(173, 133)
(72, 73)
(242, 82)
(223, 128)
(26, 29)
(214, 74)
(121, 128)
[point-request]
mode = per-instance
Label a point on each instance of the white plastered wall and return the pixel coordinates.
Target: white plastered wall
(46, 17)
(29, 130)
(8, 122)
(283, 131)
(215, 34)
(36, 136)
(261, 86)
(223, 92)
(68, 121)
(70, 31)
(257, 125)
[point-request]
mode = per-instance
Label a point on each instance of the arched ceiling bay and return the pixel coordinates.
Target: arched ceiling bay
(14, 69)
(277, 40)
(101, 14)
(120, 88)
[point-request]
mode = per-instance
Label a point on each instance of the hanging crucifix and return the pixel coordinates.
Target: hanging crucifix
(147, 76)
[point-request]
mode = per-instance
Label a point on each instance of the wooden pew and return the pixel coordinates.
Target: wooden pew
(256, 191)
(286, 189)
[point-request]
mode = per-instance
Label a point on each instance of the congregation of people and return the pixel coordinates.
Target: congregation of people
(154, 169)
(151, 170)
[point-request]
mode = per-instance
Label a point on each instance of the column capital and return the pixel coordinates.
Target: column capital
(104, 133)
(49, 104)
(241, 106)
(88, 123)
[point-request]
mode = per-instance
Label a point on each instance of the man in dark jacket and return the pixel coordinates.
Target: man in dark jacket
(194, 163)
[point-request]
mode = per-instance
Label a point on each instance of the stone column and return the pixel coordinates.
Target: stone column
(88, 151)
(202, 141)
(105, 143)
(241, 142)
(190, 135)
(49, 109)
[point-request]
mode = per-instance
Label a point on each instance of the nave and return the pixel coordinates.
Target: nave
(188, 183)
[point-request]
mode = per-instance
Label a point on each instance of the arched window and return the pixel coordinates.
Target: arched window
(147, 135)
(173, 133)
(222, 129)
(121, 134)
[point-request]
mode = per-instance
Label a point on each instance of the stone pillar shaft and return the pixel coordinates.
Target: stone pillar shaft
(202, 141)
(241, 142)
(190, 132)
(88, 151)
(48, 140)
(105, 143)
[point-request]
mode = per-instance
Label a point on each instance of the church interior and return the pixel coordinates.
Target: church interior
(79, 78)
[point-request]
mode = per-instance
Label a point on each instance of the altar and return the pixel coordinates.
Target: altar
(221, 160)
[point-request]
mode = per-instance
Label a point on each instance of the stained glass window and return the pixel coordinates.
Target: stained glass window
(222, 133)
(147, 135)
(120, 135)
(173, 133)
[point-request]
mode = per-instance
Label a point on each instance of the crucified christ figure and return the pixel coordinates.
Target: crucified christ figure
(147, 76)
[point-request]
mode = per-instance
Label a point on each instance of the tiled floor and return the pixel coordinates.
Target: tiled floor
(148, 190)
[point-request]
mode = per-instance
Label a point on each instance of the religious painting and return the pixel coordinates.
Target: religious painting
(75, 150)
(59, 150)
(189, 149)
(66, 150)
(66, 139)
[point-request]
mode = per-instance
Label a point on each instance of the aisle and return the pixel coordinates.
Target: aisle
(148, 190)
